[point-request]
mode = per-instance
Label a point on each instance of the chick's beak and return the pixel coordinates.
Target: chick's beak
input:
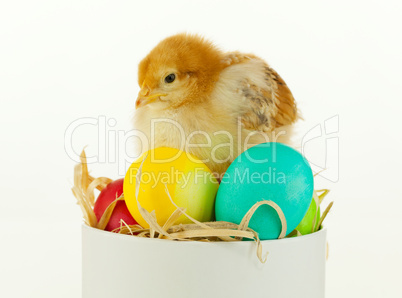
(140, 102)
(145, 97)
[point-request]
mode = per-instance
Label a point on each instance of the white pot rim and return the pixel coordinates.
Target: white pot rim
(144, 239)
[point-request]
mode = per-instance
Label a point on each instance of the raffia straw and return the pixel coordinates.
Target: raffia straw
(122, 224)
(317, 203)
(321, 197)
(96, 183)
(324, 214)
(83, 190)
(100, 187)
(104, 220)
(79, 189)
(323, 194)
(89, 215)
(146, 215)
(294, 233)
(200, 224)
(84, 170)
(319, 172)
(246, 219)
(172, 219)
(127, 229)
(210, 233)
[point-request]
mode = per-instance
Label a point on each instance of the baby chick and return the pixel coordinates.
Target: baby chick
(213, 104)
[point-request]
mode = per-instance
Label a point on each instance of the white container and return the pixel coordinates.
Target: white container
(116, 265)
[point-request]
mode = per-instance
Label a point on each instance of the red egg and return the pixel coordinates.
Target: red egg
(112, 191)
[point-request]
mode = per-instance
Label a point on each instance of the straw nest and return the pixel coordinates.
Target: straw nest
(84, 191)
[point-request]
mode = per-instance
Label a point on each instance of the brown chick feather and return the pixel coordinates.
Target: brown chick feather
(271, 104)
(213, 92)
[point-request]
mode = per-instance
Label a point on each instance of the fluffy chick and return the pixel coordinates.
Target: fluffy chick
(211, 103)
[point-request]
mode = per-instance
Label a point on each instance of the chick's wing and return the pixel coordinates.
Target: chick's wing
(263, 100)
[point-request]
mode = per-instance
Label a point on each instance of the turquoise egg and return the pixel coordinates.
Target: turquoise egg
(268, 171)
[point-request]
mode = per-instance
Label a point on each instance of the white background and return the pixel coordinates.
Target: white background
(64, 60)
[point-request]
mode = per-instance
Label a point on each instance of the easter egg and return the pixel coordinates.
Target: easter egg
(190, 184)
(110, 193)
(306, 225)
(269, 171)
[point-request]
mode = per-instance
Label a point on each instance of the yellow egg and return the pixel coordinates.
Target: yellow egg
(190, 183)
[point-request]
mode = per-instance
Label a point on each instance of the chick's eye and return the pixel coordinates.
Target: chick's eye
(170, 78)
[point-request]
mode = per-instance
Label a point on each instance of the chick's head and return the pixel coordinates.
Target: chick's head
(180, 70)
